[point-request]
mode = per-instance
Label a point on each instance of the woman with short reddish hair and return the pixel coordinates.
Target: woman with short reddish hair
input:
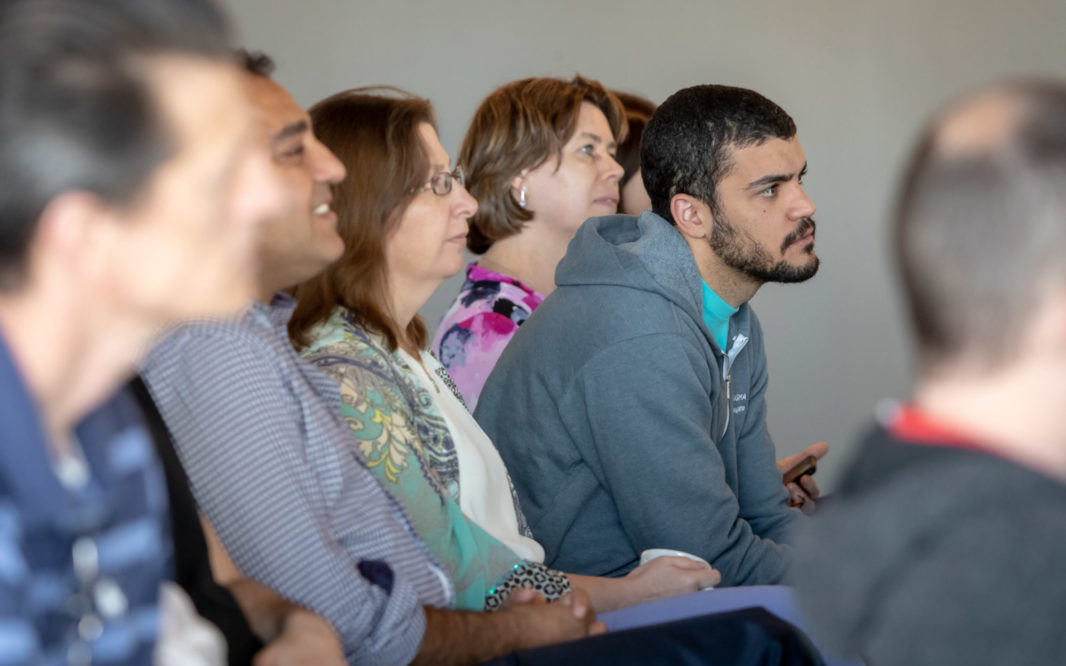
(540, 159)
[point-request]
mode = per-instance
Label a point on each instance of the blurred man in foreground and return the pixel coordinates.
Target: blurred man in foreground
(943, 544)
(126, 205)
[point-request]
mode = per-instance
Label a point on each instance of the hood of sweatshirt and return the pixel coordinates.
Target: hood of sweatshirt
(645, 253)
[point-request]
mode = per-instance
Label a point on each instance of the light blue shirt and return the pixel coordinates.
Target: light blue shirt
(716, 314)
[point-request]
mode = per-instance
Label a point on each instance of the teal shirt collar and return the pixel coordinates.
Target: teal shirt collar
(716, 314)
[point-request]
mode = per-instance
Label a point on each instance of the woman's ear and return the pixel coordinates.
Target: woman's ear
(518, 181)
(518, 188)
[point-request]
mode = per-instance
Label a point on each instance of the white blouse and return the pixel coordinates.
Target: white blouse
(484, 496)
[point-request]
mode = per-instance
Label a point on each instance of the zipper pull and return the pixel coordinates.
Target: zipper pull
(739, 342)
(728, 403)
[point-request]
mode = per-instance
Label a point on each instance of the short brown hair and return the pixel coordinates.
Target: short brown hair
(978, 230)
(374, 133)
(689, 141)
(519, 127)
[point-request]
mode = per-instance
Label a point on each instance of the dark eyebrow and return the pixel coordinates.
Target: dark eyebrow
(290, 130)
(775, 178)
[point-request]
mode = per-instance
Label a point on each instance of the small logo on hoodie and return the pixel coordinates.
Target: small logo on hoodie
(740, 403)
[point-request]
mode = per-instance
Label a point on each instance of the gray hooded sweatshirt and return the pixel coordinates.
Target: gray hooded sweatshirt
(623, 424)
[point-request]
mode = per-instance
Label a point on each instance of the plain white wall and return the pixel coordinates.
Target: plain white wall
(859, 78)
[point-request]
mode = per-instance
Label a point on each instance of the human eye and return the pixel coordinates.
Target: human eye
(769, 191)
(440, 183)
(292, 153)
(587, 149)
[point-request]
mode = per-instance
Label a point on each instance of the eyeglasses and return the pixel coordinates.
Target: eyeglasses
(441, 183)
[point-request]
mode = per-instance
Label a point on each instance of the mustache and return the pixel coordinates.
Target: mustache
(806, 225)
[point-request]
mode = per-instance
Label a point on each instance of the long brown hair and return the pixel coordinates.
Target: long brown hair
(374, 133)
(520, 126)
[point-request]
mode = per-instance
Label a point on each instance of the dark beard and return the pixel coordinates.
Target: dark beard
(740, 252)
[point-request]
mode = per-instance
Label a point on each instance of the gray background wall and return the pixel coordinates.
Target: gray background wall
(859, 78)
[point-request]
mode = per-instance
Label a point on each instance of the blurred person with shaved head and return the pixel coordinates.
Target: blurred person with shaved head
(943, 543)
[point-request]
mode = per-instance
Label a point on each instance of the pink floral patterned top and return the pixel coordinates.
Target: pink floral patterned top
(480, 322)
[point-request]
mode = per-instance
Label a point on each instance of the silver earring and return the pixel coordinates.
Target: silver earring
(522, 197)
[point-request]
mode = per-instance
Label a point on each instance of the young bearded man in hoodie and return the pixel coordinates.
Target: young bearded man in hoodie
(631, 409)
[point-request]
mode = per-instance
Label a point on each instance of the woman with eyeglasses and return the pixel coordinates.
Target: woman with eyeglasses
(539, 158)
(403, 216)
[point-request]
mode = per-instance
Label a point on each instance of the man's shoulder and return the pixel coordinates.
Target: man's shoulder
(236, 361)
(909, 516)
(249, 336)
(582, 328)
(612, 312)
(883, 458)
(251, 324)
(596, 334)
(904, 495)
(24, 434)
